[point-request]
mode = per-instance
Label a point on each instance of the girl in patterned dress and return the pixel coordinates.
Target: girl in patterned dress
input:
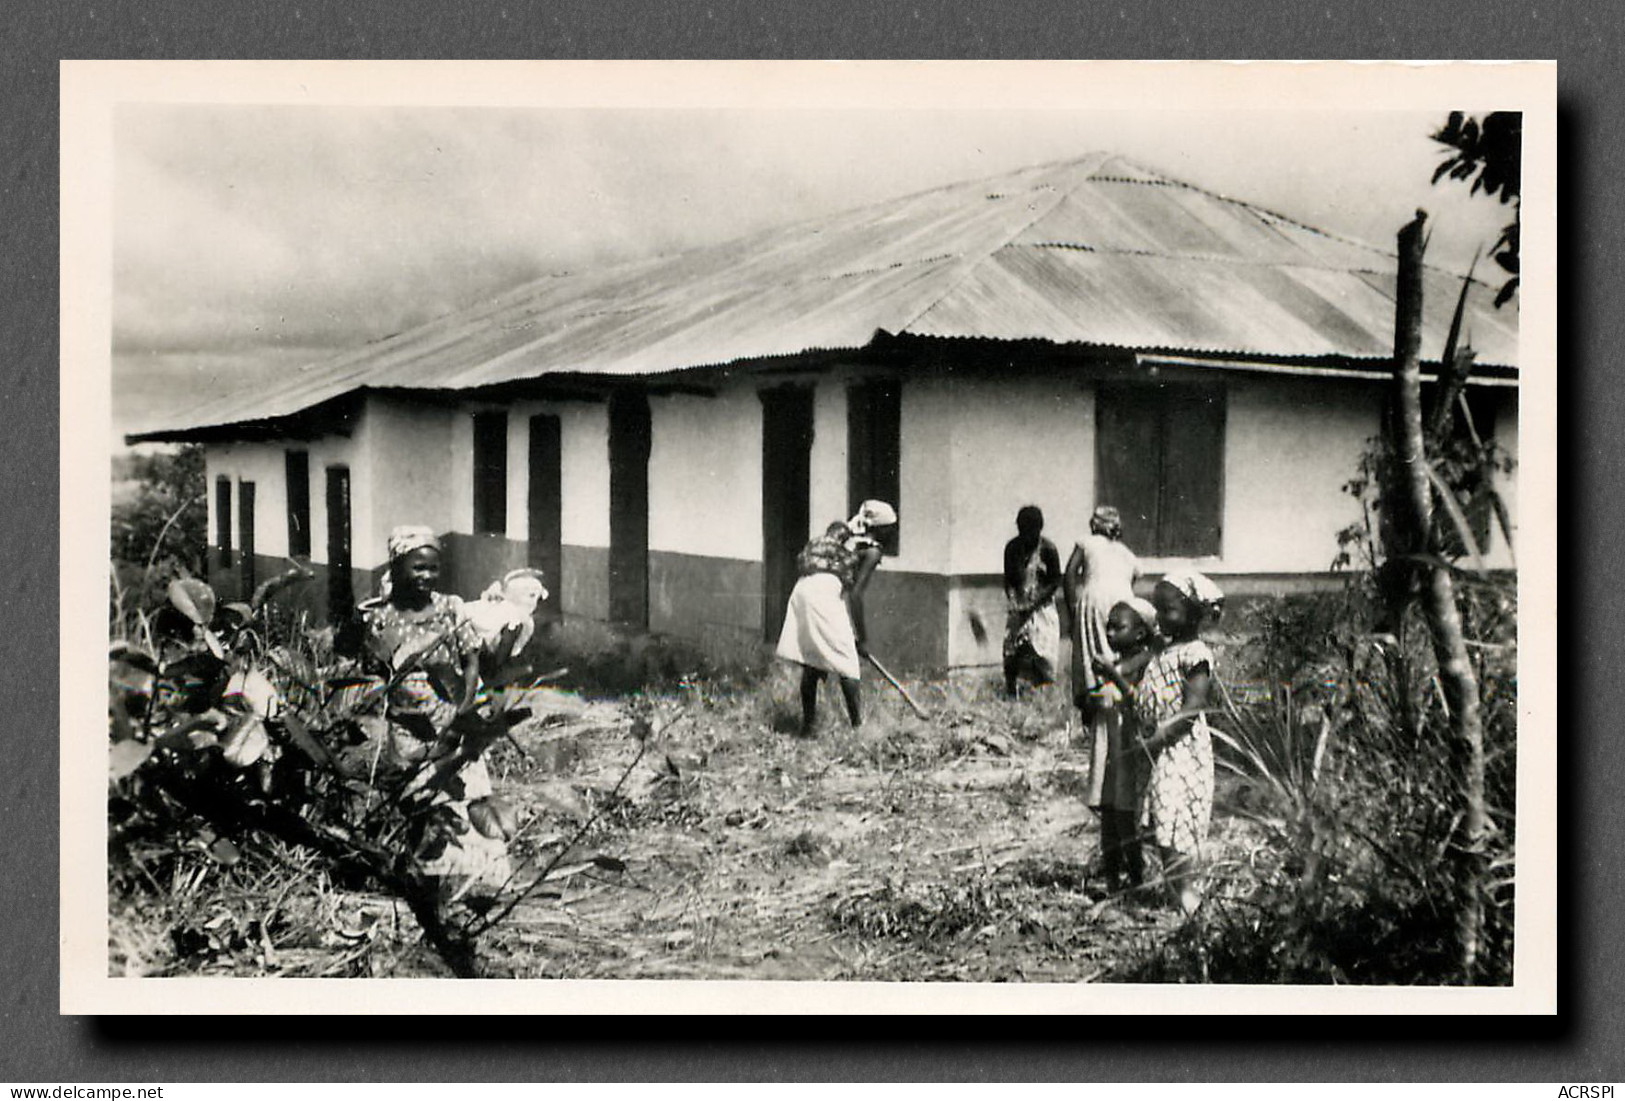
(1170, 703)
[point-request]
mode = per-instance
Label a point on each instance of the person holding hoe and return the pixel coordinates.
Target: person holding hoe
(824, 627)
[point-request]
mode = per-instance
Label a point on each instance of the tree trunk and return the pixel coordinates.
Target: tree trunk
(1411, 512)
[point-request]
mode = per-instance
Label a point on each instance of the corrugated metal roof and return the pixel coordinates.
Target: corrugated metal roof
(1094, 251)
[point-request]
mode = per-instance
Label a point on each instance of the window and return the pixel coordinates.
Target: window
(245, 532)
(1159, 458)
(874, 423)
(490, 473)
(222, 516)
(298, 473)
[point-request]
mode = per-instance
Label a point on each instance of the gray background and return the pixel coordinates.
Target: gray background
(1582, 1043)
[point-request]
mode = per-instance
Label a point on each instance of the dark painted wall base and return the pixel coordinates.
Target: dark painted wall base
(469, 563)
(690, 594)
(708, 600)
(584, 589)
(907, 617)
(310, 598)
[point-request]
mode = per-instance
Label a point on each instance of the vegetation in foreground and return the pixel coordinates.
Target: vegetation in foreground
(722, 846)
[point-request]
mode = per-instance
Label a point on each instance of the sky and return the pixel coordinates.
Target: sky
(249, 239)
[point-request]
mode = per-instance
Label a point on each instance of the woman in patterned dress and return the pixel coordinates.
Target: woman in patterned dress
(1170, 703)
(824, 628)
(1099, 576)
(422, 640)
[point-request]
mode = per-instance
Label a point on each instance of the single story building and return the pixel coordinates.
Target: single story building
(661, 436)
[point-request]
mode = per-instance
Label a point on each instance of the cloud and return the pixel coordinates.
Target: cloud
(277, 228)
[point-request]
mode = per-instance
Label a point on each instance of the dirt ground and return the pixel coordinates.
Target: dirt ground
(954, 848)
(958, 848)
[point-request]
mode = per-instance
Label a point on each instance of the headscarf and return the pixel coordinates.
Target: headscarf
(1199, 589)
(403, 540)
(1106, 521)
(407, 538)
(1146, 610)
(872, 514)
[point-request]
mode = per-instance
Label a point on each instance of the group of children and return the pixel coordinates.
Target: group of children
(1142, 678)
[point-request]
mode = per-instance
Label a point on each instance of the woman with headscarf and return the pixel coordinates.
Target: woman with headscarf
(824, 626)
(422, 642)
(1099, 575)
(1032, 628)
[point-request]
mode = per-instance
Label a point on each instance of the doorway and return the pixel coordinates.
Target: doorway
(340, 595)
(545, 508)
(629, 443)
(787, 437)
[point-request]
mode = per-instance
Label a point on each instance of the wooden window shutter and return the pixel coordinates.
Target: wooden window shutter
(1159, 459)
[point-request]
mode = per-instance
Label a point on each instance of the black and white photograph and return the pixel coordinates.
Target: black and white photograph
(868, 536)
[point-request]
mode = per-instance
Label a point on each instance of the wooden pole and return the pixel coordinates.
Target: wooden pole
(1413, 511)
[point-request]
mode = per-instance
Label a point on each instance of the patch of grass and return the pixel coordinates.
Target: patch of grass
(1048, 874)
(922, 912)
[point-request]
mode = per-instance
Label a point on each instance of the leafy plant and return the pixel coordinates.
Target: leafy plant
(1489, 152)
(223, 741)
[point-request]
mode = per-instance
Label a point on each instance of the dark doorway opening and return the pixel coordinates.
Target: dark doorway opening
(629, 442)
(545, 507)
(298, 475)
(874, 447)
(490, 473)
(340, 594)
(787, 438)
(222, 519)
(245, 538)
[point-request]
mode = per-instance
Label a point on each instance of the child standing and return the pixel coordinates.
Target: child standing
(1170, 703)
(1100, 573)
(1131, 628)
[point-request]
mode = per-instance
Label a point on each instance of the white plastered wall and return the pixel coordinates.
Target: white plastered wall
(705, 474)
(1022, 441)
(926, 509)
(264, 464)
(1290, 446)
(584, 469)
(413, 455)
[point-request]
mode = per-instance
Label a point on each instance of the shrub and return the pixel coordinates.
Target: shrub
(225, 743)
(1348, 772)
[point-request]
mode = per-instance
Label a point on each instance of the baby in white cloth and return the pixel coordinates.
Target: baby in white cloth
(508, 605)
